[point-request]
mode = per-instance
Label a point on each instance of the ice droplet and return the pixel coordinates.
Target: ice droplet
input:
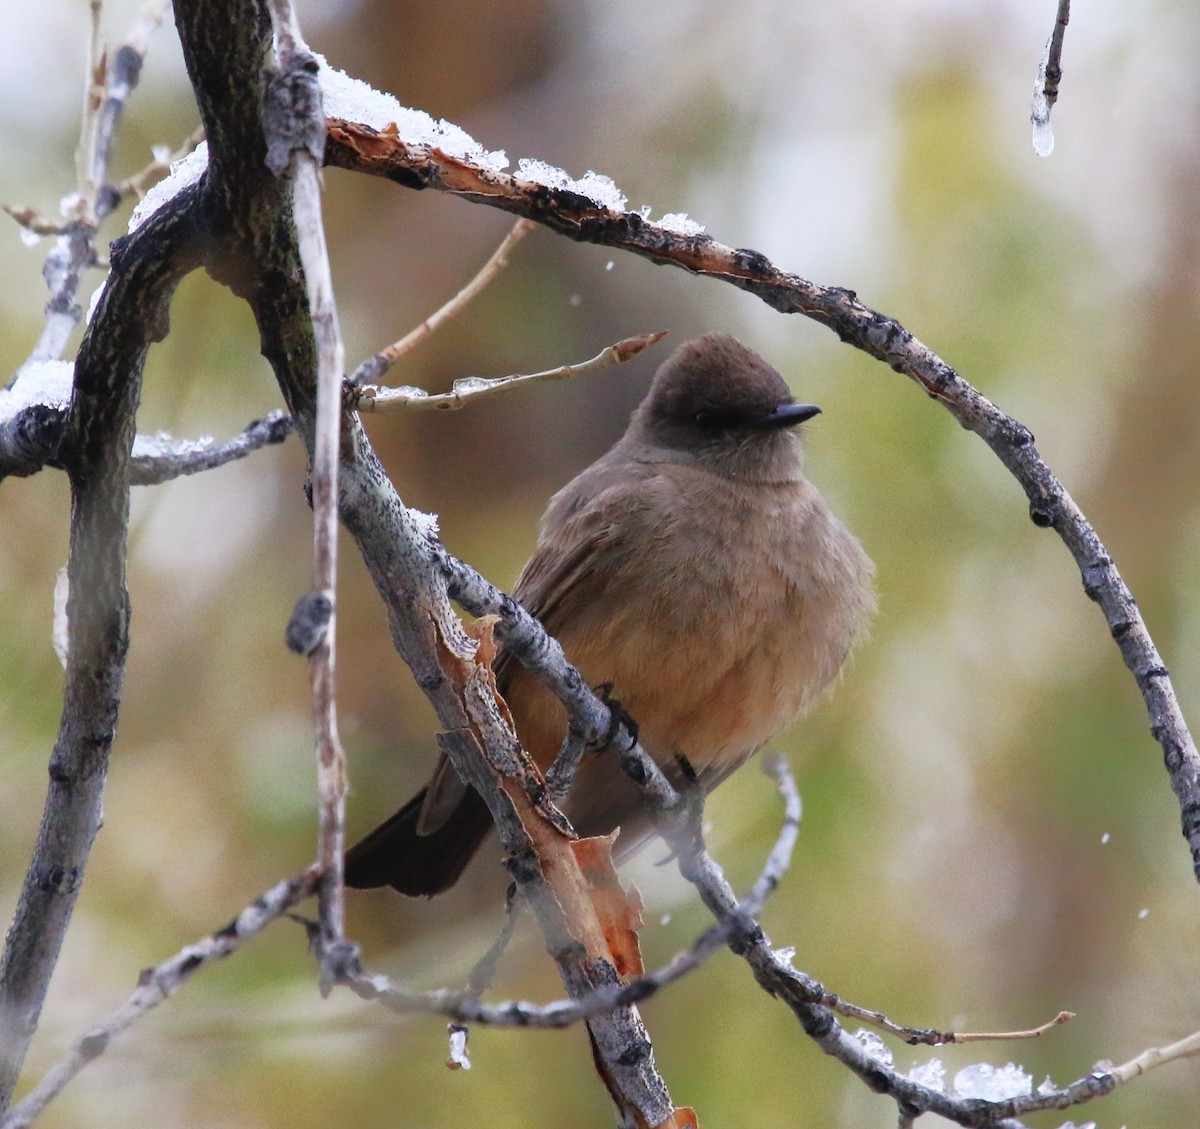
(874, 1046)
(1039, 112)
(468, 384)
(1043, 138)
(931, 1074)
(458, 1059)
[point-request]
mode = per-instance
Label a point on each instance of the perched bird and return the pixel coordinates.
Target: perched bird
(695, 570)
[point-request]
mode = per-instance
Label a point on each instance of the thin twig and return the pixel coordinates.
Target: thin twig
(159, 167)
(1045, 88)
(33, 221)
(385, 401)
(158, 984)
(777, 768)
(160, 459)
(1004, 1036)
(1187, 1047)
(375, 366)
(295, 130)
(921, 1036)
(123, 71)
(484, 971)
(86, 150)
(110, 82)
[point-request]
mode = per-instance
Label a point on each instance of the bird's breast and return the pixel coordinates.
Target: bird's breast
(725, 619)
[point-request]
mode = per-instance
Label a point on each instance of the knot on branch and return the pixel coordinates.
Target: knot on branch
(307, 628)
(292, 115)
(340, 963)
(30, 439)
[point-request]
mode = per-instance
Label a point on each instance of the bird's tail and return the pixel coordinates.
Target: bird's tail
(395, 855)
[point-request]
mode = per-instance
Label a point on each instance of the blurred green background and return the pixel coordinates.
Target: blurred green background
(988, 835)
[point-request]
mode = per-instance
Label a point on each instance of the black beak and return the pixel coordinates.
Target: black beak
(786, 415)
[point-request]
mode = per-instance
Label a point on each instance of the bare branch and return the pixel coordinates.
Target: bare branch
(295, 130)
(461, 1006)
(1004, 1036)
(484, 970)
(385, 401)
(158, 984)
(30, 436)
(780, 857)
(1187, 1047)
(375, 366)
(110, 83)
(106, 103)
(33, 221)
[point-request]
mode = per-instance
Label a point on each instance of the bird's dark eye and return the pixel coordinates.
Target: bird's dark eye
(717, 420)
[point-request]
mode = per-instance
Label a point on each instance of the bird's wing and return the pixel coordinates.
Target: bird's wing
(559, 574)
(571, 568)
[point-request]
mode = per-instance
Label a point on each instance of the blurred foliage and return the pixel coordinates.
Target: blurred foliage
(988, 833)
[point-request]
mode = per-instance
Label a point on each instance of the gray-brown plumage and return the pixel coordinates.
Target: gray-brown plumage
(695, 569)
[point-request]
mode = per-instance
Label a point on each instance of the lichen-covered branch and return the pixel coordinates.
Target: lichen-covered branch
(95, 449)
(158, 984)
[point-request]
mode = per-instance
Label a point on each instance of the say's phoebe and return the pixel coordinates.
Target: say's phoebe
(693, 568)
